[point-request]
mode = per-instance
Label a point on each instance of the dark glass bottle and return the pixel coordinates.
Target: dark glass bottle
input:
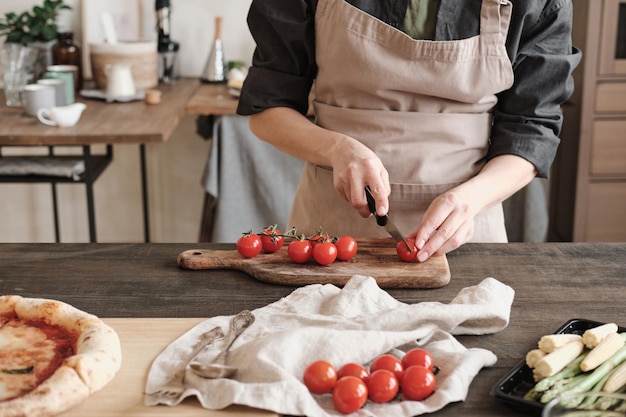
(66, 52)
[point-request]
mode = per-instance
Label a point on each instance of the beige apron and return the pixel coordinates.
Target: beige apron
(424, 107)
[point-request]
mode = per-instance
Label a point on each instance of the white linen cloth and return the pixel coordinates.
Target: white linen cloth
(352, 324)
(53, 166)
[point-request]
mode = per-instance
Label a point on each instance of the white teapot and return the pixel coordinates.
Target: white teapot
(62, 116)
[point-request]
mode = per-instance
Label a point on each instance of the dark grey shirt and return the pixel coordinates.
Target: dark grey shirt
(527, 118)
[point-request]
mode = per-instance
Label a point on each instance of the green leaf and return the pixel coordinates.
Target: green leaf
(49, 33)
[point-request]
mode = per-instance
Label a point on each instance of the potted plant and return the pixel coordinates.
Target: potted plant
(36, 28)
(37, 25)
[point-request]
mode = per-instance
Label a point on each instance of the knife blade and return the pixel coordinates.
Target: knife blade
(384, 221)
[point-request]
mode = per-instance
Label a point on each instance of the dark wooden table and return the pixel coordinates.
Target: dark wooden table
(554, 282)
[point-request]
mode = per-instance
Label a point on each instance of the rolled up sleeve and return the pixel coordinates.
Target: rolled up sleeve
(528, 118)
(283, 64)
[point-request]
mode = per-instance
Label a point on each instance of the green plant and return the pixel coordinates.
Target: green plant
(36, 25)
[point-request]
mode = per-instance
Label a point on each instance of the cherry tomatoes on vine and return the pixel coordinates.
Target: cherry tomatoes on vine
(272, 239)
(349, 394)
(418, 383)
(346, 248)
(382, 386)
(249, 245)
(418, 356)
(325, 253)
(353, 369)
(299, 251)
(320, 377)
(404, 253)
(388, 362)
(319, 237)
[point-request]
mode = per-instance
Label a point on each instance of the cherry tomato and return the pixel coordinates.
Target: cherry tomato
(320, 377)
(325, 253)
(382, 386)
(299, 251)
(418, 383)
(271, 239)
(346, 248)
(388, 362)
(353, 369)
(319, 237)
(349, 394)
(420, 357)
(249, 245)
(404, 253)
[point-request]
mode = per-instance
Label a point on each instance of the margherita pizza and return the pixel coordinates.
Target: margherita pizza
(52, 356)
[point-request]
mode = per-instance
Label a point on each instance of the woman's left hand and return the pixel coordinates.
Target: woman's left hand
(447, 224)
(449, 220)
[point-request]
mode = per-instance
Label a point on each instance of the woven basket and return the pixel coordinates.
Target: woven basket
(141, 56)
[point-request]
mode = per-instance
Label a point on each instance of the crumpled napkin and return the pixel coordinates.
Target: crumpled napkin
(355, 323)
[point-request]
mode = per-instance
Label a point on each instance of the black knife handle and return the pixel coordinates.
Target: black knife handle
(371, 205)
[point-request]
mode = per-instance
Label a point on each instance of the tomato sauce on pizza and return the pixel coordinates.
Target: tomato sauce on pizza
(30, 351)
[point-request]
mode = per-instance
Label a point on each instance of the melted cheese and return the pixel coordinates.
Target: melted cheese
(22, 346)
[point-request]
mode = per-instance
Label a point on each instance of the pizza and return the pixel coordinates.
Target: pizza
(52, 356)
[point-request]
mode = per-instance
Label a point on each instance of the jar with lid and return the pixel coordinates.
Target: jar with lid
(66, 52)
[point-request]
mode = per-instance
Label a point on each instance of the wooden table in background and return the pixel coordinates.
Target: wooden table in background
(101, 123)
(553, 283)
(212, 99)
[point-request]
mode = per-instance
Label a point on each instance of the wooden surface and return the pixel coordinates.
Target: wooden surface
(142, 341)
(102, 122)
(375, 257)
(212, 99)
(553, 283)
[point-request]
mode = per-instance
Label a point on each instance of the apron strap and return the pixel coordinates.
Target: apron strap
(495, 16)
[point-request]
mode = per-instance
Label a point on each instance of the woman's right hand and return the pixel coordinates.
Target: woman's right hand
(354, 167)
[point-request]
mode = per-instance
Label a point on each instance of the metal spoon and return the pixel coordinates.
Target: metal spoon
(218, 368)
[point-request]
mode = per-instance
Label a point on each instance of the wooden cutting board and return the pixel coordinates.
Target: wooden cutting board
(375, 257)
(142, 341)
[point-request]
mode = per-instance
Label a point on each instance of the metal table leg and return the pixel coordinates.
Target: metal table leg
(89, 179)
(144, 192)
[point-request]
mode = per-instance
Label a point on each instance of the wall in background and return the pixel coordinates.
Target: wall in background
(174, 167)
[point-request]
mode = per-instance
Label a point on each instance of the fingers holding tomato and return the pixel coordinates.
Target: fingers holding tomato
(404, 253)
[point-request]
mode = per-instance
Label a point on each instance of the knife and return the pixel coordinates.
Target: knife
(384, 221)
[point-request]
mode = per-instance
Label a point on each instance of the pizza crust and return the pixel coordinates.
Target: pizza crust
(62, 391)
(97, 360)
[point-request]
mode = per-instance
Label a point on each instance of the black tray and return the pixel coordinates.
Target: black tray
(514, 385)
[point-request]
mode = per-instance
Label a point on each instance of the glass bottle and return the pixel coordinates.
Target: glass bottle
(215, 69)
(66, 52)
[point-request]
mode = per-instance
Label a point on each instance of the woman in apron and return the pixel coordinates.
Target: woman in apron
(444, 108)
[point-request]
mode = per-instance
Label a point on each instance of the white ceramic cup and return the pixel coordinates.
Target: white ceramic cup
(37, 96)
(119, 81)
(62, 116)
(59, 89)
